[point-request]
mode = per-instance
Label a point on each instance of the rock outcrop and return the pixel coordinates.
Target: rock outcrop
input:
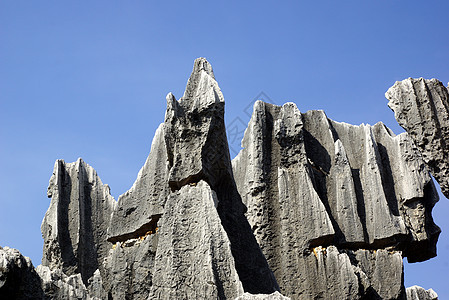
(418, 293)
(310, 182)
(75, 226)
(421, 107)
(18, 278)
(309, 209)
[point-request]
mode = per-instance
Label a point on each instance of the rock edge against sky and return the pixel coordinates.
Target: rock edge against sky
(310, 208)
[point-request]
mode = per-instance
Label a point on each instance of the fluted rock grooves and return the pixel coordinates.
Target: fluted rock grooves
(309, 209)
(310, 182)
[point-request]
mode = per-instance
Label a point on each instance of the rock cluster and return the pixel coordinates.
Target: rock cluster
(309, 209)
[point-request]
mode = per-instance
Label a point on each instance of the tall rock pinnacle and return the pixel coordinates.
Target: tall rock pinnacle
(197, 150)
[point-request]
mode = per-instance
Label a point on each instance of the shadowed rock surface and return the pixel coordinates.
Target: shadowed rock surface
(309, 209)
(18, 278)
(421, 107)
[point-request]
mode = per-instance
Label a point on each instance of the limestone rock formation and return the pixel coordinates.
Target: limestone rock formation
(18, 279)
(193, 258)
(309, 209)
(418, 293)
(75, 226)
(421, 107)
(197, 150)
(57, 285)
(129, 268)
(312, 182)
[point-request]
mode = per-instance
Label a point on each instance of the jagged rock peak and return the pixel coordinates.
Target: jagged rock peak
(138, 209)
(421, 107)
(202, 89)
(197, 150)
(195, 136)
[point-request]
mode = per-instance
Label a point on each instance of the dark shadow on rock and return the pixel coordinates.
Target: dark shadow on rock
(319, 168)
(21, 283)
(252, 267)
(87, 253)
(64, 229)
(387, 180)
(360, 200)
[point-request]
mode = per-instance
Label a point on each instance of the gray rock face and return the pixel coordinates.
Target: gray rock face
(309, 181)
(18, 279)
(57, 285)
(421, 107)
(310, 208)
(139, 209)
(273, 296)
(130, 268)
(194, 259)
(75, 226)
(418, 293)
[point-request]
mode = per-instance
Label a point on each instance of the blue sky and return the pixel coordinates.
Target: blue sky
(89, 79)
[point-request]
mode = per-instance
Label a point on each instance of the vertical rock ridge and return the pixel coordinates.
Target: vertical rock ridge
(345, 209)
(193, 258)
(75, 226)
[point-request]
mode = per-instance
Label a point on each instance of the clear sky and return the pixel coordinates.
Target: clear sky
(89, 79)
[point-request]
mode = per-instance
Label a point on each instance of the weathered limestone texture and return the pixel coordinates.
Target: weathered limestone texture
(421, 107)
(130, 268)
(193, 259)
(309, 181)
(18, 279)
(418, 293)
(309, 209)
(75, 226)
(57, 285)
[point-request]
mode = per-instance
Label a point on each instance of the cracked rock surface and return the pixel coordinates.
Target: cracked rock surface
(309, 209)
